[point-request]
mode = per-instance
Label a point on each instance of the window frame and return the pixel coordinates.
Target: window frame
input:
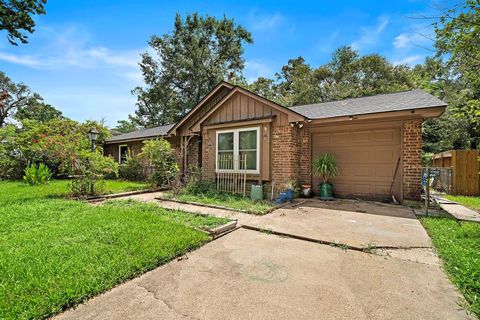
(120, 152)
(236, 151)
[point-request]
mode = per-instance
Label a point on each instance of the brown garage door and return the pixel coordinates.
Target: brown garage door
(366, 160)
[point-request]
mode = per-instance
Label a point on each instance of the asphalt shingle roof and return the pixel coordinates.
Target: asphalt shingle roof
(140, 134)
(406, 100)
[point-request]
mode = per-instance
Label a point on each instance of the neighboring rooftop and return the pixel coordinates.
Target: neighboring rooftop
(405, 100)
(143, 134)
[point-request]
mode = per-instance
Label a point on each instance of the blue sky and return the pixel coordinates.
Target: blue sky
(83, 56)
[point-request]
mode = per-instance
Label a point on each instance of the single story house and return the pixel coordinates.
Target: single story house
(369, 136)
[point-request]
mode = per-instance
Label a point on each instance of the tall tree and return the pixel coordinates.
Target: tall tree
(186, 65)
(16, 18)
(13, 97)
(347, 75)
(125, 126)
(458, 42)
(38, 110)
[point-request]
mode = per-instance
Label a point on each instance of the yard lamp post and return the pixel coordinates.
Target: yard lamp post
(93, 135)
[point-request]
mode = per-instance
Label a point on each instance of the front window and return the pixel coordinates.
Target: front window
(238, 150)
(123, 154)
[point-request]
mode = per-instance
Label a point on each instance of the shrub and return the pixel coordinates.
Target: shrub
(90, 168)
(159, 157)
(34, 174)
(200, 188)
(131, 170)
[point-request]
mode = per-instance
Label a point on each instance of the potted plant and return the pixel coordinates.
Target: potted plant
(325, 166)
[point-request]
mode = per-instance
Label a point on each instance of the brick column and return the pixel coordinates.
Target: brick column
(305, 155)
(412, 154)
(285, 154)
(207, 145)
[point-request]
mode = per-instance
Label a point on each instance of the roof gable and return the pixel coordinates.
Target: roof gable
(265, 108)
(207, 102)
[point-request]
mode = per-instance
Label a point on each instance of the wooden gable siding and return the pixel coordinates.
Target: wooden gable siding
(184, 130)
(242, 107)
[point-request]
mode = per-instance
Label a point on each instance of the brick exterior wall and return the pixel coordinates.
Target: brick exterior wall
(285, 154)
(305, 156)
(207, 145)
(412, 152)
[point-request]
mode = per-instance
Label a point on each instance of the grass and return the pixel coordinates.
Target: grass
(470, 202)
(458, 245)
(58, 189)
(56, 253)
(227, 201)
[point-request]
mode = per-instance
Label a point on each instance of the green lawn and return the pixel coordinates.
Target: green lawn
(459, 247)
(56, 253)
(58, 189)
(228, 201)
(470, 202)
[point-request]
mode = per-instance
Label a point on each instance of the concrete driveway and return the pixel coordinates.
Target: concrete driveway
(249, 274)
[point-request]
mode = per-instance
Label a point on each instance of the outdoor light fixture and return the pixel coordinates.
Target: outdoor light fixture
(93, 136)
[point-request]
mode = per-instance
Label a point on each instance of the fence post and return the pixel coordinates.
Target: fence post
(427, 192)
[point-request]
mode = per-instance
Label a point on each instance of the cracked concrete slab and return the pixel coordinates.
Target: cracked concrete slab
(252, 275)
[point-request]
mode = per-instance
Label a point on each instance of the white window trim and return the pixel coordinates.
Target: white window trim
(120, 152)
(236, 149)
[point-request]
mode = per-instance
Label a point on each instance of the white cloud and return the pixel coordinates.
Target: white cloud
(19, 59)
(370, 34)
(265, 22)
(410, 60)
(255, 69)
(410, 39)
(72, 48)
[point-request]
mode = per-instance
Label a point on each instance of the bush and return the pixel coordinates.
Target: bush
(90, 168)
(35, 175)
(158, 155)
(131, 170)
(199, 187)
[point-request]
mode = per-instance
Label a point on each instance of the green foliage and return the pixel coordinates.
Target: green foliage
(457, 244)
(89, 169)
(197, 187)
(427, 158)
(35, 175)
(58, 253)
(458, 43)
(159, 157)
(16, 15)
(12, 163)
(347, 75)
(189, 62)
(57, 143)
(325, 166)
(125, 126)
(14, 96)
(131, 170)
(37, 110)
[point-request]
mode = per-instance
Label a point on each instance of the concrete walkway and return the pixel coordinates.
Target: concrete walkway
(457, 210)
(253, 275)
(358, 224)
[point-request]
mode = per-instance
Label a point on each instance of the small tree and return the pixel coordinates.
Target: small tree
(159, 158)
(89, 169)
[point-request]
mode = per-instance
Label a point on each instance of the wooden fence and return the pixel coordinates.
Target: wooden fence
(465, 170)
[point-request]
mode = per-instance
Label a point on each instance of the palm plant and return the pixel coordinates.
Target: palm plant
(325, 166)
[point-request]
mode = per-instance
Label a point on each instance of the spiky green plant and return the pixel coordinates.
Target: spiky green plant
(325, 166)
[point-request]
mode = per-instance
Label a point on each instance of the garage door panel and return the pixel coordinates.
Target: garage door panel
(366, 160)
